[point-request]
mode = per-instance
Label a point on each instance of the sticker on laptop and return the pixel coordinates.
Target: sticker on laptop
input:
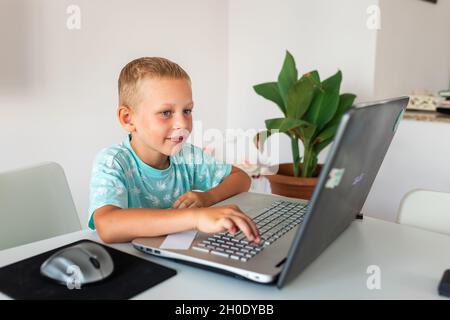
(334, 178)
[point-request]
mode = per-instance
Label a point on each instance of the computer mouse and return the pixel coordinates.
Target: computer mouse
(78, 265)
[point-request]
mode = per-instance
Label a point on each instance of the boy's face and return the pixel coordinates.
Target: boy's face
(163, 119)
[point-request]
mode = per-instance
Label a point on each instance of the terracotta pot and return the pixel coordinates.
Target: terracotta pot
(285, 184)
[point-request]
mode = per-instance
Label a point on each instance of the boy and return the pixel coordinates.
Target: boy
(143, 187)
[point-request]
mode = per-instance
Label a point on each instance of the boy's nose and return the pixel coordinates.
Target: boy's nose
(181, 122)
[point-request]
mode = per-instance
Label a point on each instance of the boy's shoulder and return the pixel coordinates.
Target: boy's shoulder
(114, 153)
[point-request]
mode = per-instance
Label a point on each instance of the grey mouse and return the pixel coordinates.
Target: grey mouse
(74, 266)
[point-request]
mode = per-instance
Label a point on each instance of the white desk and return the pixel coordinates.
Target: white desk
(412, 262)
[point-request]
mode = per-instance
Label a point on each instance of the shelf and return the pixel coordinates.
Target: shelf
(429, 116)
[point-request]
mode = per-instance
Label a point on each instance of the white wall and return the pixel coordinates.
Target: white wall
(413, 47)
(323, 34)
(413, 53)
(58, 88)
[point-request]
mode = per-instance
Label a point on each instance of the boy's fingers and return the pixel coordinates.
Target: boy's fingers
(243, 226)
(186, 198)
(237, 211)
(249, 220)
(251, 223)
(182, 205)
(177, 202)
(228, 224)
(186, 203)
(194, 205)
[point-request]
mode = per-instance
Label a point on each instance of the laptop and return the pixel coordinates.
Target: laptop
(294, 231)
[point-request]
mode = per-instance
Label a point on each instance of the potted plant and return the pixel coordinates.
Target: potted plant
(312, 110)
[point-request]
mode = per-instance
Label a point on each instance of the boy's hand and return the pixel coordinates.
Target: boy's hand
(226, 218)
(193, 199)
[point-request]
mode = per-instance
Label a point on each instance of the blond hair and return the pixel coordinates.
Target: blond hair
(145, 68)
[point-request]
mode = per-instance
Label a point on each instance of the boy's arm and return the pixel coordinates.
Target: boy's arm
(237, 181)
(115, 224)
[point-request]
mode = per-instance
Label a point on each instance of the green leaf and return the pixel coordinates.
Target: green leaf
(274, 123)
(261, 137)
(299, 98)
(327, 133)
(345, 102)
(325, 103)
(319, 147)
(287, 77)
(307, 132)
(314, 77)
(283, 124)
(271, 92)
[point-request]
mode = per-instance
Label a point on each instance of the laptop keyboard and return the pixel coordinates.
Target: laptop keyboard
(272, 224)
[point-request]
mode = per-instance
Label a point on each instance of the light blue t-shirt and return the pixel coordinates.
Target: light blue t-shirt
(121, 179)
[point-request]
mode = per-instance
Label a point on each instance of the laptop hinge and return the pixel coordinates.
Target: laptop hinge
(359, 216)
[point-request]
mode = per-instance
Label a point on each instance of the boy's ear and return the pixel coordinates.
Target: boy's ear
(125, 115)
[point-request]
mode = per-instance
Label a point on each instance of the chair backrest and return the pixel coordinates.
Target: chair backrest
(35, 204)
(426, 209)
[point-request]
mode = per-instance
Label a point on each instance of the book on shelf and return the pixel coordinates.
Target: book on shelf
(445, 93)
(444, 104)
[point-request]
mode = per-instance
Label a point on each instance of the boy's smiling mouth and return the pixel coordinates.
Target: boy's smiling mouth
(176, 139)
(178, 136)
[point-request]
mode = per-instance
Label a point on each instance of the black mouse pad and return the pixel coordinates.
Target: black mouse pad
(132, 275)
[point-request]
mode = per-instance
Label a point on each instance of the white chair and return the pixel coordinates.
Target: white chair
(35, 204)
(426, 209)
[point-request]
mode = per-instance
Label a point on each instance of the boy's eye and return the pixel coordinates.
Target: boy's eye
(166, 113)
